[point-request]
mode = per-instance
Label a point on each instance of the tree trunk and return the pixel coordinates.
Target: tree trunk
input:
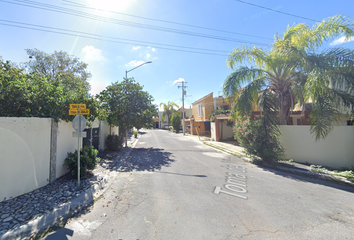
(284, 109)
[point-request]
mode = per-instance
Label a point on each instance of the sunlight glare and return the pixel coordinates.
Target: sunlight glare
(110, 5)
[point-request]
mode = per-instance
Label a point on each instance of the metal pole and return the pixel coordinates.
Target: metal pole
(78, 153)
(184, 131)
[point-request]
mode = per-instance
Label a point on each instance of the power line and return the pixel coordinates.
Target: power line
(69, 11)
(104, 38)
(171, 22)
(274, 10)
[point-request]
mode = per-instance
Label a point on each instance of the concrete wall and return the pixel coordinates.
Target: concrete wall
(227, 132)
(27, 150)
(335, 151)
(65, 143)
(212, 131)
(25, 155)
(105, 130)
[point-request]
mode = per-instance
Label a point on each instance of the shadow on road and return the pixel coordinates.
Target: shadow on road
(60, 234)
(146, 159)
(308, 178)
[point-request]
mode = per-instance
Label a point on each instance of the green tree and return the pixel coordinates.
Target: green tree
(125, 104)
(176, 121)
(35, 95)
(145, 118)
(294, 70)
(168, 110)
(60, 66)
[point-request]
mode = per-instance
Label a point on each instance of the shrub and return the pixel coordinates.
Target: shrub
(135, 133)
(176, 121)
(114, 142)
(259, 139)
(88, 161)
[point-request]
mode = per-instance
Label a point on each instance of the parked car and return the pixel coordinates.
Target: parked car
(166, 127)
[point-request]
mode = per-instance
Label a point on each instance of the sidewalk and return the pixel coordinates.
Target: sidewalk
(232, 148)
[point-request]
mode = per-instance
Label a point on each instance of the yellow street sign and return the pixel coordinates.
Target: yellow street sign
(85, 112)
(82, 112)
(73, 112)
(76, 106)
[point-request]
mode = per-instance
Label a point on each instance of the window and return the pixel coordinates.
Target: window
(200, 110)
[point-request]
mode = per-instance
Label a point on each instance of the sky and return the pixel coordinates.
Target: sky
(184, 40)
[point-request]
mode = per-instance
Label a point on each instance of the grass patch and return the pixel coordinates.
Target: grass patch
(48, 231)
(224, 150)
(349, 174)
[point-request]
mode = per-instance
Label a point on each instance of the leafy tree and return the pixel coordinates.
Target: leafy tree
(176, 121)
(125, 105)
(168, 110)
(294, 71)
(145, 118)
(35, 95)
(60, 66)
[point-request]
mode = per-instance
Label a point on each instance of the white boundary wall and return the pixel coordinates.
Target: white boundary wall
(336, 150)
(65, 143)
(105, 130)
(25, 155)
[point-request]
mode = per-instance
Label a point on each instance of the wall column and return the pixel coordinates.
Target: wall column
(217, 130)
(53, 151)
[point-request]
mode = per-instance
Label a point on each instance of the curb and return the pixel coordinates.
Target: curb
(301, 172)
(66, 210)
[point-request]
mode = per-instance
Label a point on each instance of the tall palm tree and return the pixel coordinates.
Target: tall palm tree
(293, 71)
(168, 109)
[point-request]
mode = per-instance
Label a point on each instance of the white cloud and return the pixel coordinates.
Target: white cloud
(97, 86)
(148, 56)
(136, 48)
(341, 40)
(178, 81)
(152, 49)
(134, 63)
(90, 53)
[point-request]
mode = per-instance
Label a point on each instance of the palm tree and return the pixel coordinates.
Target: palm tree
(168, 109)
(293, 71)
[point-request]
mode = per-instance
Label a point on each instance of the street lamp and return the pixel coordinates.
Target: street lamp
(126, 76)
(126, 72)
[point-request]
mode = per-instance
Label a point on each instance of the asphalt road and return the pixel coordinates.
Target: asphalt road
(174, 187)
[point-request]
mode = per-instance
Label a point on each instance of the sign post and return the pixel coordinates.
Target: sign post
(79, 124)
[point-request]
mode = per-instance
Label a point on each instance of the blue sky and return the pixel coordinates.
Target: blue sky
(172, 34)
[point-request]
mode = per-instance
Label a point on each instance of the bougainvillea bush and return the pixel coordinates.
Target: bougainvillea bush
(259, 139)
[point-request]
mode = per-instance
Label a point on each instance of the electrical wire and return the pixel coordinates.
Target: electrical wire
(69, 11)
(277, 11)
(115, 38)
(170, 22)
(110, 39)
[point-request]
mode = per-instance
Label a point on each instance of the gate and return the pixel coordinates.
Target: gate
(94, 139)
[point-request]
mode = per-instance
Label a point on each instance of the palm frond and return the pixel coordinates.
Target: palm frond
(246, 98)
(244, 53)
(322, 117)
(268, 107)
(243, 75)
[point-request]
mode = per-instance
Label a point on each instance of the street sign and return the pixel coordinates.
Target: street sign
(79, 134)
(84, 111)
(76, 112)
(79, 123)
(76, 106)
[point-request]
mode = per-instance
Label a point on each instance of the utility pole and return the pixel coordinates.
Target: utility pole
(183, 94)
